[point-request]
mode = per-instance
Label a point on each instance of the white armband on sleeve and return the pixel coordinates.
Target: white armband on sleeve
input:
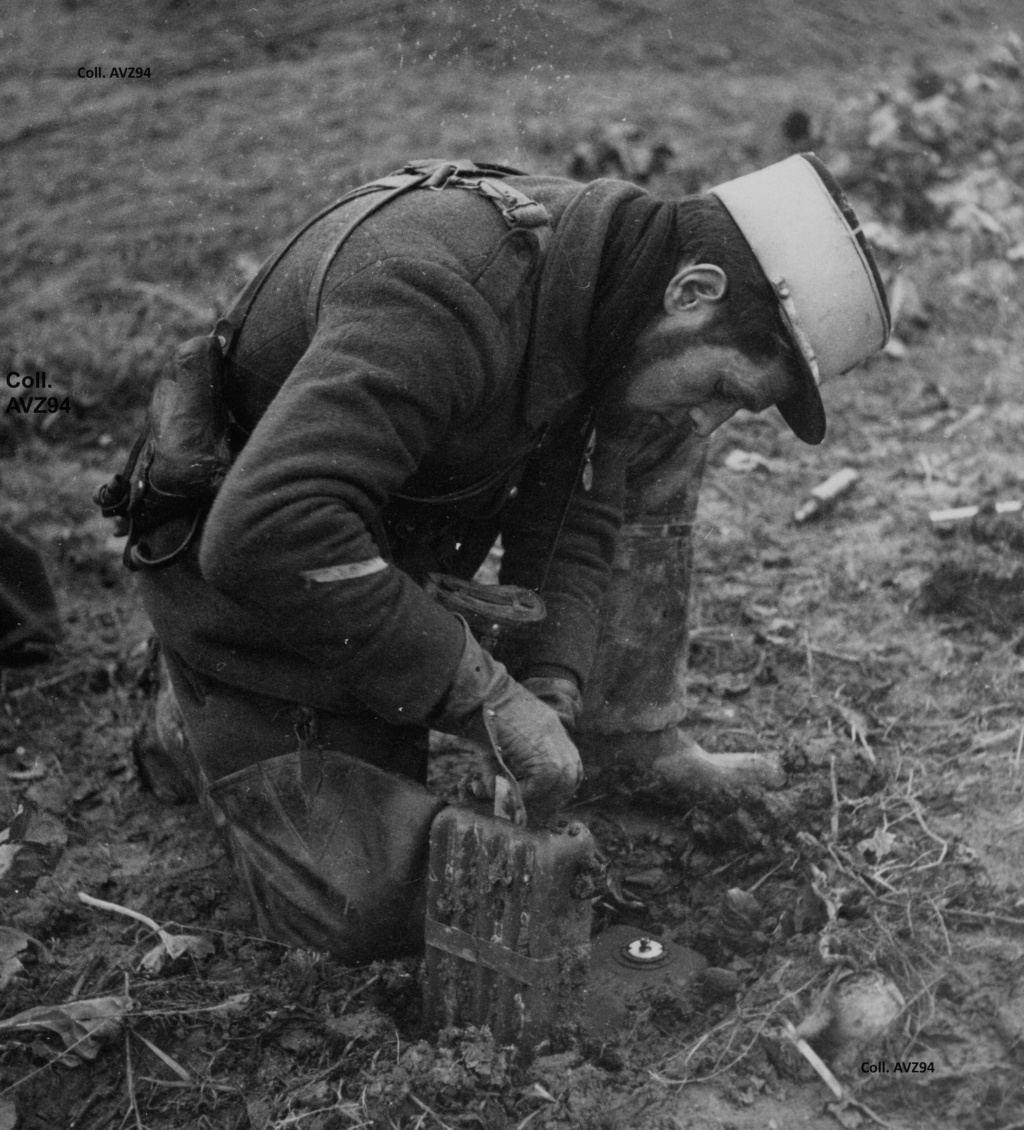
(344, 572)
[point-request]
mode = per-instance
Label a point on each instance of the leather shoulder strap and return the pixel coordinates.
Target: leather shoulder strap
(379, 198)
(228, 327)
(517, 209)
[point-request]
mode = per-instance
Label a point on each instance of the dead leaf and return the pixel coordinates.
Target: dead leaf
(743, 462)
(8, 854)
(858, 728)
(987, 741)
(80, 1024)
(238, 1002)
(10, 968)
(45, 828)
(15, 831)
(620, 899)
(30, 847)
(365, 1025)
(13, 943)
(880, 844)
(846, 1115)
(259, 1113)
(300, 1039)
(172, 946)
(30, 863)
(652, 879)
(731, 684)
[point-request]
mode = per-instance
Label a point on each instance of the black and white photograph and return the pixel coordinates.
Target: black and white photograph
(512, 565)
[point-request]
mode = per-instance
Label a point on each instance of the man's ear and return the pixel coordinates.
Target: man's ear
(695, 290)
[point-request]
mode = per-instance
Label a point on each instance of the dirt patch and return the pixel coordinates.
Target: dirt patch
(896, 846)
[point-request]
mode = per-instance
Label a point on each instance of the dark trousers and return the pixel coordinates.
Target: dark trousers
(327, 821)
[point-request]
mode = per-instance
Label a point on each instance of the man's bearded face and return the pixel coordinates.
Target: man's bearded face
(681, 379)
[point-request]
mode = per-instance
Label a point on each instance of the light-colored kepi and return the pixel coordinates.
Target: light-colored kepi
(808, 241)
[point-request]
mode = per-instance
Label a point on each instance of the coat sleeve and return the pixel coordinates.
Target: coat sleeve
(580, 564)
(404, 351)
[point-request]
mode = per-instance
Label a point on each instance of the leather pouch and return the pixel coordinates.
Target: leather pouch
(179, 460)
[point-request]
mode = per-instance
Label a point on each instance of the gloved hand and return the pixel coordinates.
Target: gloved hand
(560, 692)
(485, 700)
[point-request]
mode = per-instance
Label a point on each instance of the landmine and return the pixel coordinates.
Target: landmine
(629, 968)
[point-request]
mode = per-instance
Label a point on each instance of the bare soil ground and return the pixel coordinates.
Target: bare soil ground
(885, 661)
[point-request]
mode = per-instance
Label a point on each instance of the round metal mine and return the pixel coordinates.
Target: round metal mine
(644, 951)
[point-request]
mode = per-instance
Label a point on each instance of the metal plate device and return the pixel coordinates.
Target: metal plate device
(508, 925)
(508, 919)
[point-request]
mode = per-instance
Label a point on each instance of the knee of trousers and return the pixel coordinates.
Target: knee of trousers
(332, 851)
(229, 729)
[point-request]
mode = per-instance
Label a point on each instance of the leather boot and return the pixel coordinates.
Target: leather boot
(332, 850)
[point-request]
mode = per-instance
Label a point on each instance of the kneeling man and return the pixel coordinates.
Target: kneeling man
(454, 353)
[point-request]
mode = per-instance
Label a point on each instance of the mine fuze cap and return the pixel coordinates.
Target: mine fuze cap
(808, 241)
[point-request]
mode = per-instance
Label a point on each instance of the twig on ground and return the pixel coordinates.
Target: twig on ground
(984, 916)
(815, 1061)
(926, 993)
(165, 1059)
(433, 1114)
(232, 1004)
(355, 992)
(114, 908)
(129, 1073)
(734, 1023)
(132, 1104)
(766, 876)
(866, 1110)
(810, 662)
(915, 806)
(937, 911)
(834, 822)
(84, 1107)
(170, 947)
(54, 680)
(829, 1079)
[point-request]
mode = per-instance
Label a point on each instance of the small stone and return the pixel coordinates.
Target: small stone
(718, 984)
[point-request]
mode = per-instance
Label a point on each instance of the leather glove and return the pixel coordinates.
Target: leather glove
(560, 693)
(485, 702)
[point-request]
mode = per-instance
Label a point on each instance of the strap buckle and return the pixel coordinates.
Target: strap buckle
(517, 209)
